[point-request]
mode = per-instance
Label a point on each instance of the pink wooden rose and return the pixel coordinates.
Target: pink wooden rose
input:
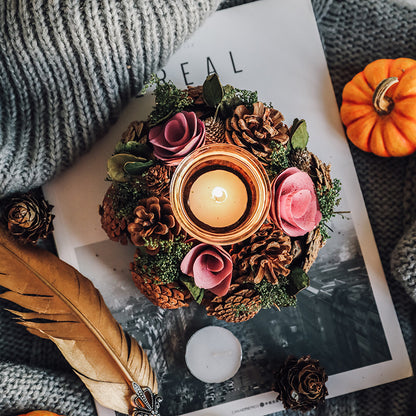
(210, 266)
(178, 137)
(294, 207)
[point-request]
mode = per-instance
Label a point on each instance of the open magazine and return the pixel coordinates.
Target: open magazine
(345, 319)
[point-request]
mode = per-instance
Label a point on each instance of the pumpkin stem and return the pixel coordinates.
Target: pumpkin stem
(382, 104)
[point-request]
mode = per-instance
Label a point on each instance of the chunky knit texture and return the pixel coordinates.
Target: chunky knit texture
(67, 68)
(66, 72)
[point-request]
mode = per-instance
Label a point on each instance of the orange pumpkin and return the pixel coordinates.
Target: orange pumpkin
(379, 107)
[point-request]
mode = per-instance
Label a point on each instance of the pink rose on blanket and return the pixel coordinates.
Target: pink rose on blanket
(210, 266)
(294, 206)
(178, 137)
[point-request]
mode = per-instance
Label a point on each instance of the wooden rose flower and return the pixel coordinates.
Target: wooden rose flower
(294, 206)
(210, 266)
(178, 137)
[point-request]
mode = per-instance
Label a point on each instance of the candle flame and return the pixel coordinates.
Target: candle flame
(219, 194)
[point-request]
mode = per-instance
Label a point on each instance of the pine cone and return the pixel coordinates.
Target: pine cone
(301, 159)
(321, 175)
(241, 303)
(198, 105)
(255, 132)
(165, 295)
(214, 131)
(158, 179)
(136, 131)
(116, 228)
(28, 217)
(153, 221)
(266, 254)
(300, 384)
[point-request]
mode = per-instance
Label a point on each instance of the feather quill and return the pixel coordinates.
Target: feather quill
(64, 306)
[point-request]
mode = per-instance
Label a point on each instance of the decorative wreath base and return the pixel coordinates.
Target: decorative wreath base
(270, 267)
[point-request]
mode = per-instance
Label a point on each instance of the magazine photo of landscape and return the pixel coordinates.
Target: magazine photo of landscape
(335, 320)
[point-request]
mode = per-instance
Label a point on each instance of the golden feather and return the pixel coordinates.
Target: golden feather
(106, 359)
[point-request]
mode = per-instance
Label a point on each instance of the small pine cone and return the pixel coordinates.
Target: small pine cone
(320, 173)
(116, 228)
(300, 383)
(153, 220)
(158, 179)
(198, 105)
(266, 254)
(256, 131)
(314, 242)
(241, 303)
(136, 131)
(214, 130)
(27, 217)
(165, 295)
(301, 159)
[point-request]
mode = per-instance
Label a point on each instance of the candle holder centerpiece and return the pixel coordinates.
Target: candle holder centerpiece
(226, 205)
(220, 194)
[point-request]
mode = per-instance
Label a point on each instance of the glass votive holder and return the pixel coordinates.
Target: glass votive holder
(220, 194)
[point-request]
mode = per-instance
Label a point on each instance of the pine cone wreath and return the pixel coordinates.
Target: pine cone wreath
(241, 303)
(214, 131)
(158, 179)
(153, 220)
(27, 217)
(255, 131)
(115, 227)
(164, 295)
(266, 254)
(300, 383)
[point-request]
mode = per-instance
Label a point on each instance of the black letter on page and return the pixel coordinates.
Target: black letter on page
(232, 61)
(209, 71)
(184, 73)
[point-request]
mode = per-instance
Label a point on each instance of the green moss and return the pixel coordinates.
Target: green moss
(328, 199)
(126, 196)
(166, 264)
(234, 97)
(275, 295)
(243, 309)
(169, 100)
(279, 159)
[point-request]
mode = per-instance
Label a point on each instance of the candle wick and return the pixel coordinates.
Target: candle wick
(219, 194)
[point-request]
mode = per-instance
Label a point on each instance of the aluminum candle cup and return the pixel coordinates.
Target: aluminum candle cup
(220, 194)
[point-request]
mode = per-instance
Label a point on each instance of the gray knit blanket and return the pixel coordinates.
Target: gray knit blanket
(67, 69)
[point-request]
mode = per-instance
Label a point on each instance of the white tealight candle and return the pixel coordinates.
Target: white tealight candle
(213, 354)
(218, 198)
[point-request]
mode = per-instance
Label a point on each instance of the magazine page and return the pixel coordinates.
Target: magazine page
(346, 318)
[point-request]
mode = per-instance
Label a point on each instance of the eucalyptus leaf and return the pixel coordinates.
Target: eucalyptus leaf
(136, 168)
(196, 292)
(115, 166)
(299, 134)
(298, 280)
(212, 91)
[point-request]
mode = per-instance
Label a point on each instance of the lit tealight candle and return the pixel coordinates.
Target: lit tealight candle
(219, 194)
(218, 198)
(213, 354)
